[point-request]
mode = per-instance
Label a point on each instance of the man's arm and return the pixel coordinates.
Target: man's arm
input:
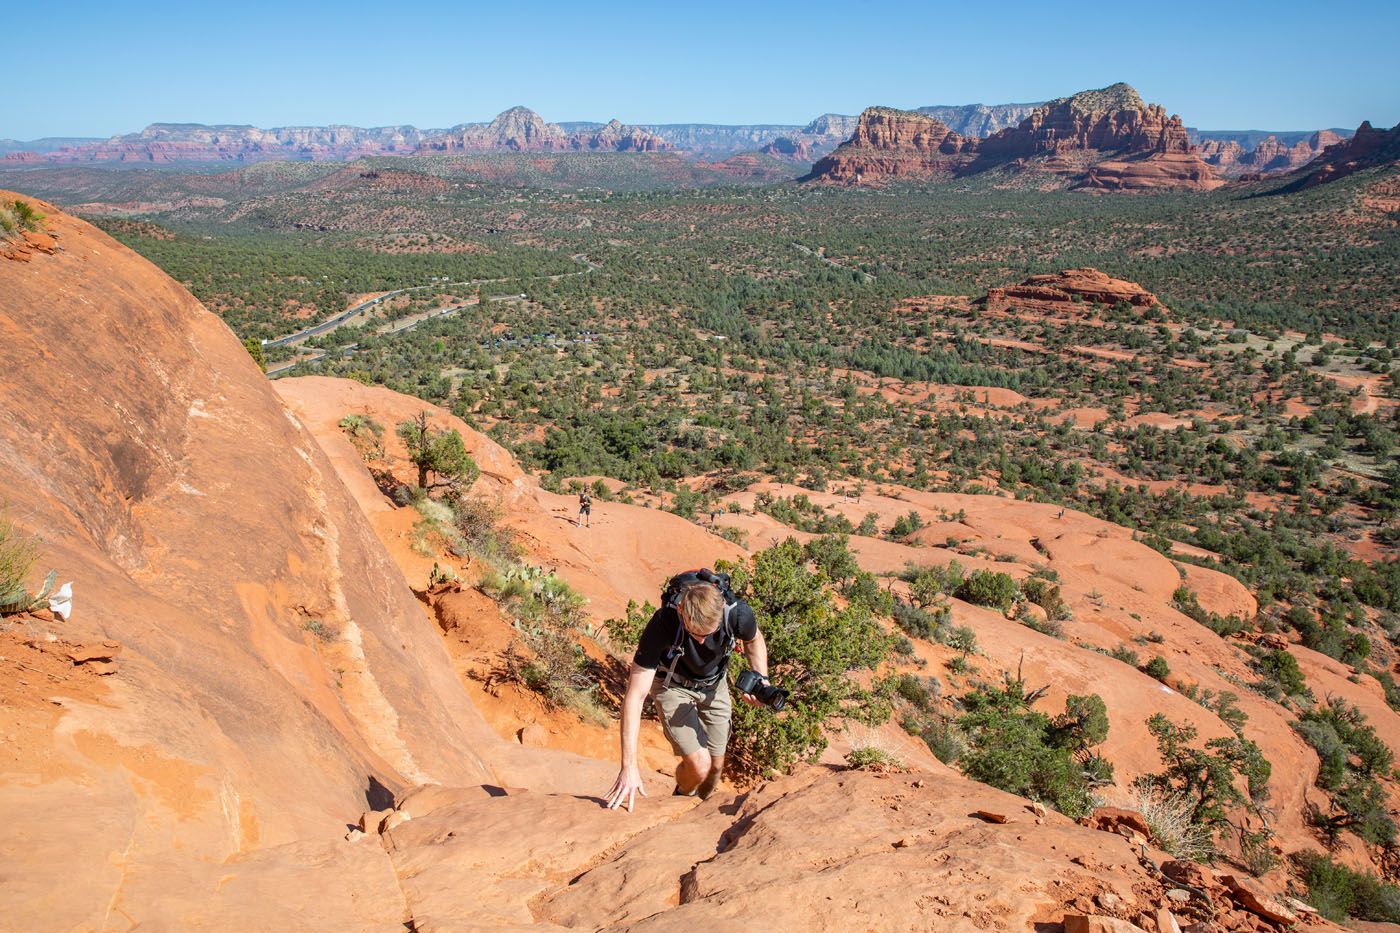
(629, 778)
(756, 651)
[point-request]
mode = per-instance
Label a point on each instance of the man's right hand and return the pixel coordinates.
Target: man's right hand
(628, 783)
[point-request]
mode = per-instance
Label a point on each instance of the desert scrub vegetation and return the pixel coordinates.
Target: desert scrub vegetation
(814, 649)
(18, 216)
(989, 588)
(18, 554)
(1340, 893)
(1023, 751)
(1352, 762)
(1205, 777)
(1170, 817)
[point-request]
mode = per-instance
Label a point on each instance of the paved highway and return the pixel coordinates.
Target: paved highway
(330, 324)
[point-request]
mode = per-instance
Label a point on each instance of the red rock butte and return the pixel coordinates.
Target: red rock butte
(1107, 139)
(1086, 284)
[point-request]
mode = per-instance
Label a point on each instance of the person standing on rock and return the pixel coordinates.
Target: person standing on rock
(585, 509)
(689, 639)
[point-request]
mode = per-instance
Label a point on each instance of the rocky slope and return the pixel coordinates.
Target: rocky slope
(273, 672)
(1271, 154)
(247, 672)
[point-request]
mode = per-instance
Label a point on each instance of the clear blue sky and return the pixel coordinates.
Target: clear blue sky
(93, 69)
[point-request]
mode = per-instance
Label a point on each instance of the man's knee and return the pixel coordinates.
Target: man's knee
(700, 761)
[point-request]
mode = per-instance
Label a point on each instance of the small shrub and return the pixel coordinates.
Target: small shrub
(918, 622)
(625, 632)
(962, 639)
(988, 588)
(1280, 667)
(1158, 668)
(1339, 892)
(872, 757)
(1168, 815)
(320, 629)
(18, 553)
(1126, 655)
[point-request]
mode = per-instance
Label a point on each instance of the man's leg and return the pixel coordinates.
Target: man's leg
(711, 781)
(693, 770)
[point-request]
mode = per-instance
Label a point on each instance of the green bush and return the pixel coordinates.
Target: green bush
(1047, 596)
(813, 648)
(1280, 667)
(439, 453)
(1339, 892)
(1158, 668)
(624, 633)
(988, 588)
(873, 758)
(1019, 750)
(918, 622)
(1206, 776)
(18, 216)
(1352, 758)
(18, 552)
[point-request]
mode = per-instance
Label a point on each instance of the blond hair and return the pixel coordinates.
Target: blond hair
(701, 608)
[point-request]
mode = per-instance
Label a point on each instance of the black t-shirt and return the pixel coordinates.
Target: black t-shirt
(700, 660)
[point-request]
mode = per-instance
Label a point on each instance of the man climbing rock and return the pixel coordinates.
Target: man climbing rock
(688, 641)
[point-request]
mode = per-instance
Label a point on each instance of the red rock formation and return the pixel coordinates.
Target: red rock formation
(889, 143)
(786, 147)
(1157, 171)
(1146, 148)
(520, 129)
(1230, 159)
(1114, 119)
(618, 137)
(1056, 289)
(1368, 148)
(162, 143)
(275, 670)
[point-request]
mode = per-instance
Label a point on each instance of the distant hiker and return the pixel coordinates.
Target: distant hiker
(1062, 514)
(714, 513)
(690, 638)
(585, 509)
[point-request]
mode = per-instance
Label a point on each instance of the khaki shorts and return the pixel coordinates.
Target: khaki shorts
(694, 719)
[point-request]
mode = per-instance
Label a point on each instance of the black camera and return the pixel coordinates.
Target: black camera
(749, 682)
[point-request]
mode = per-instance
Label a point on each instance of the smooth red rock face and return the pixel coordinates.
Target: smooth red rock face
(1368, 148)
(274, 669)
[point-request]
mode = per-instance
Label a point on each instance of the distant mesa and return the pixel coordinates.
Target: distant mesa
(980, 119)
(1054, 291)
(1136, 145)
(516, 130)
(520, 129)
